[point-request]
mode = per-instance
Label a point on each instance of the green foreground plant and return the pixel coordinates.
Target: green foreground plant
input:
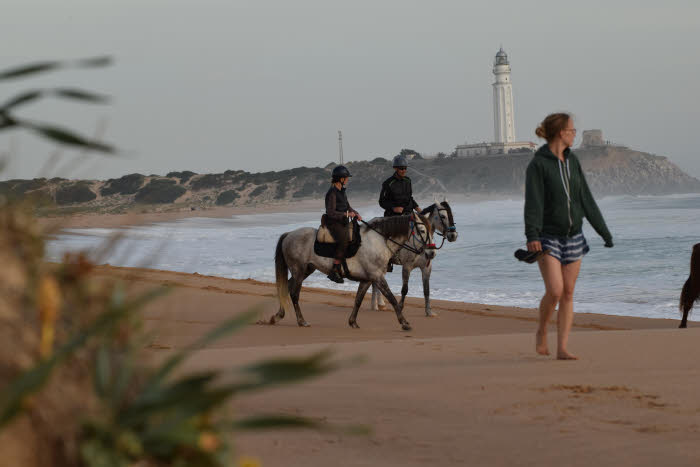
(76, 386)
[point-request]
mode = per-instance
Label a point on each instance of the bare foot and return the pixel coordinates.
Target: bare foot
(564, 355)
(541, 343)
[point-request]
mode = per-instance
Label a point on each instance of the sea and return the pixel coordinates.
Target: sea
(641, 276)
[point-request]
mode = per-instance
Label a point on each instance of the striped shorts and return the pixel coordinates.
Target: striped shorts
(565, 249)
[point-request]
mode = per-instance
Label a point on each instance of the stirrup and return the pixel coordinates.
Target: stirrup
(335, 276)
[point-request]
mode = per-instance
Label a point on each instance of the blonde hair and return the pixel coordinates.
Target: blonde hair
(553, 124)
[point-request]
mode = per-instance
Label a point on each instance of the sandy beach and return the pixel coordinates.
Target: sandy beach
(465, 388)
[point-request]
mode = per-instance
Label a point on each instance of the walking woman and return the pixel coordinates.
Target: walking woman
(557, 198)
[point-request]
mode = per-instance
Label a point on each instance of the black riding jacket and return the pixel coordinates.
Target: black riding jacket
(337, 205)
(397, 192)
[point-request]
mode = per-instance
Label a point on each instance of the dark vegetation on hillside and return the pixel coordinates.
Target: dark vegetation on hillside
(160, 191)
(126, 185)
(609, 170)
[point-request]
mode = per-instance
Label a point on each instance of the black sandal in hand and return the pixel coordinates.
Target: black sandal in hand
(529, 256)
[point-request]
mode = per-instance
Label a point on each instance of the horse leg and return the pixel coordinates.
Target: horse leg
(378, 303)
(280, 313)
(684, 320)
(426, 290)
(373, 305)
(361, 291)
(405, 276)
(386, 291)
(295, 290)
(381, 304)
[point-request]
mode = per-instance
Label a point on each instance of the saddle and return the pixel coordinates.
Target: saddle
(325, 244)
(324, 235)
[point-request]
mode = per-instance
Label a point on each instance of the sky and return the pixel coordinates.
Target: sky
(265, 85)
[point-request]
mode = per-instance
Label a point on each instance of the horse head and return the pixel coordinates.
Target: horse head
(421, 235)
(441, 219)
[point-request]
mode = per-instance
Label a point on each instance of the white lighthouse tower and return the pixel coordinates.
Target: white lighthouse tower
(503, 118)
(503, 125)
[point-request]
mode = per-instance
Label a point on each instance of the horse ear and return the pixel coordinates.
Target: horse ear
(435, 198)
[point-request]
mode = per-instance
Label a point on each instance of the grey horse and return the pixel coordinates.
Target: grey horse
(440, 218)
(381, 239)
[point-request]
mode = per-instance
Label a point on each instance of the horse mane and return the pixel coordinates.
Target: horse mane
(691, 289)
(396, 226)
(429, 210)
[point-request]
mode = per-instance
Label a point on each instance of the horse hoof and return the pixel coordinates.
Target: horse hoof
(303, 324)
(431, 314)
(406, 327)
(354, 325)
(381, 308)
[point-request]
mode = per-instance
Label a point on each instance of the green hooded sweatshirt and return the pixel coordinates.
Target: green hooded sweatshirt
(557, 198)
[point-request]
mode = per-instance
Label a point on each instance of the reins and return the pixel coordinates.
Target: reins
(401, 245)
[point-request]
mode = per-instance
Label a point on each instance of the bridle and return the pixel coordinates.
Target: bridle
(445, 228)
(411, 236)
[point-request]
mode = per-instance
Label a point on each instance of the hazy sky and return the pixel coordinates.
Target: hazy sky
(265, 85)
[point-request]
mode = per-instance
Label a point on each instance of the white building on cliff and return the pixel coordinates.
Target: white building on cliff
(503, 117)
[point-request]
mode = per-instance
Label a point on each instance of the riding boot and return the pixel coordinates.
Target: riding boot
(336, 274)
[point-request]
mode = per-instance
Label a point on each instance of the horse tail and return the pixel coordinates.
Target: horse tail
(281, 276)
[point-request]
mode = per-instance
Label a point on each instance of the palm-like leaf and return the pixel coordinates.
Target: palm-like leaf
(51, 65)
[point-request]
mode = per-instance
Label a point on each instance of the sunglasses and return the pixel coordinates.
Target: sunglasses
(401, 168)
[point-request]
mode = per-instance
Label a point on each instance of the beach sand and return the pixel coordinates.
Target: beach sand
(465, 388)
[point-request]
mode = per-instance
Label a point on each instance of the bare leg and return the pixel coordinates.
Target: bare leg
(565, 317)
(386, 291)
(551, 271)
(361, 291)
(426, 289)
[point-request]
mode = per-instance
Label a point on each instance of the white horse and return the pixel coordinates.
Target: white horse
(440, 218)
(381, 239)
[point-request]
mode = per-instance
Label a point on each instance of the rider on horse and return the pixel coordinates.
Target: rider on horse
(396, 196)
(338, 213)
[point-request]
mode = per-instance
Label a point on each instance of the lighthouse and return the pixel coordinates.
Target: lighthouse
(503, 118)
(503, 125)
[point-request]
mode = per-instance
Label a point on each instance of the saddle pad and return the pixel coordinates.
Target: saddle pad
(327, 250)
(324, 235)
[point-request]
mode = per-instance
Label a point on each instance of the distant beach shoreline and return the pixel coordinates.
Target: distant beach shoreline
(98, 220)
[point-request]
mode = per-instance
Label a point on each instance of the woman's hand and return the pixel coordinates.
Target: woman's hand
(358, 216)
(534, 246)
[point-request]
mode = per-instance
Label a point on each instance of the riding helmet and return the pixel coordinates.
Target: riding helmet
(340, 171)
(400, 161)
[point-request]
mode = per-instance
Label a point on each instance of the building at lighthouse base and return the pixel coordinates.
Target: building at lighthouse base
(485, 149)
